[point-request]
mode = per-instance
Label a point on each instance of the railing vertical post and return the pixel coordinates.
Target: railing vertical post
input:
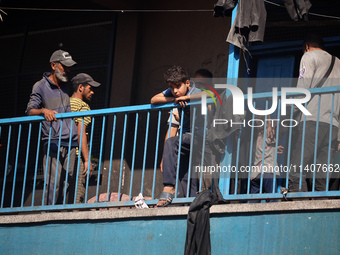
(232, 74)
(100, 157)
(133, 156)
(145, 150)
(111, 156)
(121, 160)
(90, 161)
(16, 165)
(26, 164)
(156, 154)
(36, 163)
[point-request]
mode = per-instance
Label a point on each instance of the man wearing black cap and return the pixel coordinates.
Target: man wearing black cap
(50, 96)
(83, 85)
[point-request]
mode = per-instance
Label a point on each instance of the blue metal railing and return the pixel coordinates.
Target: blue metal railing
(126, 145)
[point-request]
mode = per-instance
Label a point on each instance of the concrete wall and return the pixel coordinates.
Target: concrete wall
(310, 227)
(156, 41)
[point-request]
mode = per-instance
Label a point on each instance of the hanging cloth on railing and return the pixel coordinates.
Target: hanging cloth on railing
(249, 23)
(198, 224)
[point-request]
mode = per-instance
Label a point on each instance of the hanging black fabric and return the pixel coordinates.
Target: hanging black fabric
(198, 225)
(224, 8)
(298, 9)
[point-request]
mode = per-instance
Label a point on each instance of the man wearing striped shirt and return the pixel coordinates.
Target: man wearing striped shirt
(83, 85)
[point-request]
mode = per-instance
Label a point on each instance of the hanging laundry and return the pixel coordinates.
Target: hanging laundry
(224, 8)
(249, 23)
(298, 9)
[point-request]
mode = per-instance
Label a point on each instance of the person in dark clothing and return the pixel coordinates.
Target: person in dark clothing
(180, 91)
(50, 96)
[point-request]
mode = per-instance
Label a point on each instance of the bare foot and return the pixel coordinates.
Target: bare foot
(166, 190)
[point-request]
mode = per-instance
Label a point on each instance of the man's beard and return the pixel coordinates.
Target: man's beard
(61, 76)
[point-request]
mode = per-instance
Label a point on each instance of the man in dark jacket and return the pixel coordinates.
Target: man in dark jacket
(50, 96)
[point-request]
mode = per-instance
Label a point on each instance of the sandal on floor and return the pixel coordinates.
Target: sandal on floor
(165, 196)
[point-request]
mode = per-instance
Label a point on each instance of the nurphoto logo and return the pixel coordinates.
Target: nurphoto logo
(238, 100)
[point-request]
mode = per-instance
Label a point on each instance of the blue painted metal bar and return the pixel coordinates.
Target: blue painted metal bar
(6, 166)
(237, 158)
(320, 91)
(191, 152)
(179, 153)
(289, 144)
(251, 151)
(126, 109)
(170, 123)
(57, 165)
(78, 170)
(232, 74)
(100, 156)
(16, 165)
(26, 163)
(156, 156)
(36, 164)
(330, 144)
(284, 47)
(316, 143)
(263, 147)
(302, 148)
(203, 153)
(121, 159)
(68, 161)
(133, 156)
(90, 161)
(111, 156)
(46, 166)
(277, 143)
(145, 150)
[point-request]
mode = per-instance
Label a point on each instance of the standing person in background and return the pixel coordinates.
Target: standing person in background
(83, 85)
(314, 66)
(50, 96)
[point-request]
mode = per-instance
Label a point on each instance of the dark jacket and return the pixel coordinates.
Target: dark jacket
(217, 135)
(45, 94)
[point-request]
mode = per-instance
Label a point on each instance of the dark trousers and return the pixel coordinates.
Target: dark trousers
(267, 186)
(170, 162)
(308, 157)
(55, 179)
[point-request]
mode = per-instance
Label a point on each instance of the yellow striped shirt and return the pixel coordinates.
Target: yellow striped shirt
(78, 105)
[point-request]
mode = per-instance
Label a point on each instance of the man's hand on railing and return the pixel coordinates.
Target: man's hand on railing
(49, 114)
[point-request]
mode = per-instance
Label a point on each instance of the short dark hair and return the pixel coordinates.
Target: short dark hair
(314, 40)
(204, 72)
(76, 86)
(176, 74)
